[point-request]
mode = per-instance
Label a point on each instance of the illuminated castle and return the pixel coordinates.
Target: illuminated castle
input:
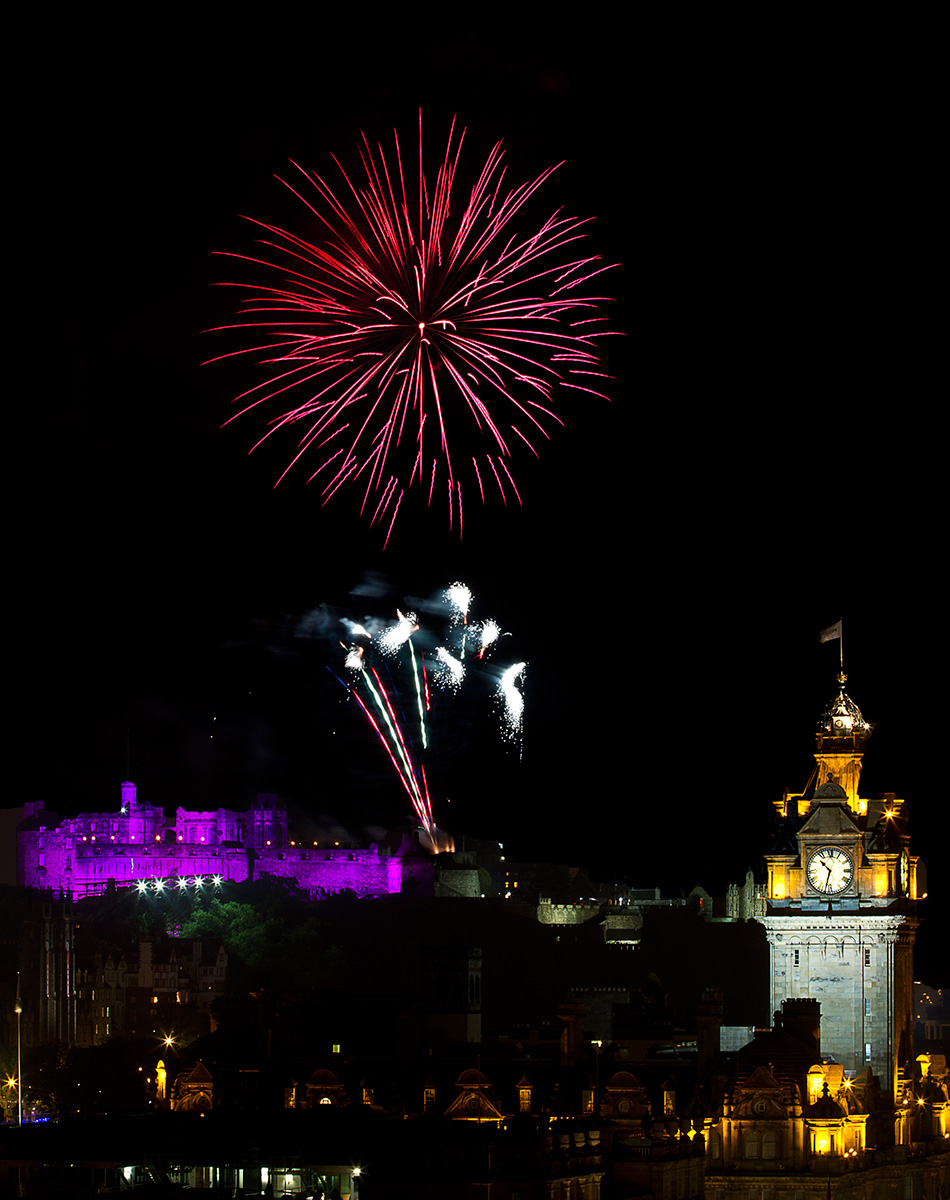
(140, 846)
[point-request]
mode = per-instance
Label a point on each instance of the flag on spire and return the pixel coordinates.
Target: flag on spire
(831, 633)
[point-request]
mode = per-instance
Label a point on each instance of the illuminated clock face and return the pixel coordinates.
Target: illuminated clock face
(830, 870)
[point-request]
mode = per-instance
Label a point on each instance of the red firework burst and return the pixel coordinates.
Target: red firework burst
(420, 343)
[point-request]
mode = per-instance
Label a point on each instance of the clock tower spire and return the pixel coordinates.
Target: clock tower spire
(841, 903)
(839, 745)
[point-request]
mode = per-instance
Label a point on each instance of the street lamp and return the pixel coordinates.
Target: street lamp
(598, 1045)
(18, 1009)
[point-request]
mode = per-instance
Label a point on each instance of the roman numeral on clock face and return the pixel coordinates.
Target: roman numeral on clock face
(830, 870)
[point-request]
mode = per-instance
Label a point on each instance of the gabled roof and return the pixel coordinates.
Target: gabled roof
(831, 813)
(198, 1075)
(762, 1079)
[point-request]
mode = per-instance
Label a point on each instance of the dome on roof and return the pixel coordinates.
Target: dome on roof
(842, 716)
(472, 1078)
(323, 1078)
(825, 1108)
(623, 1079)
(830, 790)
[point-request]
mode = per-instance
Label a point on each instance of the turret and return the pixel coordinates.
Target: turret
(839, 746)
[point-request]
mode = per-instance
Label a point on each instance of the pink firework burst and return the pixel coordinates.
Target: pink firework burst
(425, 340)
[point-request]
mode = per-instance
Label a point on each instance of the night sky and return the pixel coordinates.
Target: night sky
(767, 464)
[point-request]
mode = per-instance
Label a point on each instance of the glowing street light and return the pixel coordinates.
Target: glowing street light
(18, 1009)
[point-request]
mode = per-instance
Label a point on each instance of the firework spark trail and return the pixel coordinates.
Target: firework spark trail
(422, 810)
(513, 699)
(405, 747)
(419, 698)
(459, 597)
(390, 734)
(398, 634)
(490, 633)
(404, 753)
(399, 336)
(451, 669)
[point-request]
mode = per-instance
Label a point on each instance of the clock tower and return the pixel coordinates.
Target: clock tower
(841, 901)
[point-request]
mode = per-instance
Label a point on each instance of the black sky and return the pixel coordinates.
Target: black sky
(768, 464)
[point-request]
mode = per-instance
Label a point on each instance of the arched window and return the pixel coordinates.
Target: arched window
(753, 1144)
(769, 1145)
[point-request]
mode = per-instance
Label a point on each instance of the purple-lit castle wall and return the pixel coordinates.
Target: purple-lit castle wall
(79, 855)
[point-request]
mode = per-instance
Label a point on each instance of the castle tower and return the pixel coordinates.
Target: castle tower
(841, 904)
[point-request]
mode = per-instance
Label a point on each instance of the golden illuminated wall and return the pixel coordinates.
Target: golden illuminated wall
(844, 769)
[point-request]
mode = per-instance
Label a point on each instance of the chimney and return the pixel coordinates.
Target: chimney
(802, 1019)
(708, 1025)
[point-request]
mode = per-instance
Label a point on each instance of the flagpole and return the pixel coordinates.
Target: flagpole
(833, 633)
